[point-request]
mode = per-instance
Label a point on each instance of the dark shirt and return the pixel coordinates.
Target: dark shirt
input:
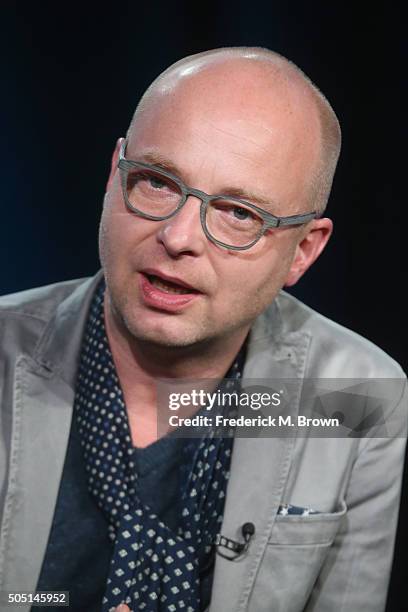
(79, 549)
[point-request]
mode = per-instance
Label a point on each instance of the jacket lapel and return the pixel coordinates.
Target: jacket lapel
(43, 399)
(259, 466)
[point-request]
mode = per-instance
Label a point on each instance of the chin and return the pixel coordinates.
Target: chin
(166, 335)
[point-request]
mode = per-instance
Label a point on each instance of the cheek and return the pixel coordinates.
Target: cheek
(103, 238)
(118, 232)
(253, 283)
(113, 240)
(108, 234)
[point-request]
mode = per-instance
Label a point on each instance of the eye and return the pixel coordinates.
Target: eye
(232, 212)
(156, 182)
(242, 214)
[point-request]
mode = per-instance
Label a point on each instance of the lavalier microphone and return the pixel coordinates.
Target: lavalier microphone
(235, 549)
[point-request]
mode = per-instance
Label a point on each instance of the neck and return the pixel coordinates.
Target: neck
(141, 360)
(139, 364)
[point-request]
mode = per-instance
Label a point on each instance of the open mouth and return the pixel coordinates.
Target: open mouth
(168, 286)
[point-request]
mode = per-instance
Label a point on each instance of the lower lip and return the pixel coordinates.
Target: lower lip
(156, 298)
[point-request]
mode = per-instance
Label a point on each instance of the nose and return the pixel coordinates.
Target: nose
(183, 234)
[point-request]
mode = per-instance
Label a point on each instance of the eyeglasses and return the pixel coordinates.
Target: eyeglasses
(232, 223)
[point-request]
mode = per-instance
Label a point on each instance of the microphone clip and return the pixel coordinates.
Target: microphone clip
(235, 549)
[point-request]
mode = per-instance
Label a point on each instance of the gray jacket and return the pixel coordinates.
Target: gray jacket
(338, 559)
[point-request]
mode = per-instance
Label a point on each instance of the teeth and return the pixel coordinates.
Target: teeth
(167, 287)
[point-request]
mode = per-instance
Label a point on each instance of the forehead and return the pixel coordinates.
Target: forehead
(235, 126)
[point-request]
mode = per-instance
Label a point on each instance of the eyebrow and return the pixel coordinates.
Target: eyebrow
(159, 160)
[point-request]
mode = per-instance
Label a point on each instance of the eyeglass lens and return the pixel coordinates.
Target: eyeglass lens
(228, 221)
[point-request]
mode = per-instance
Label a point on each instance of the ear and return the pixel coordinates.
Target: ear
(114, 163)
(309, 248)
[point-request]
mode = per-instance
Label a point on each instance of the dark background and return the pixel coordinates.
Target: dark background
(71, 76)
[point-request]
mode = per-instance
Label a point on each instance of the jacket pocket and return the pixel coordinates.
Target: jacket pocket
(312, 530)
(294, 555)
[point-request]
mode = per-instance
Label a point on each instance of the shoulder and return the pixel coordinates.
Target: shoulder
(334, 350)
(38, 303)
(25, 315)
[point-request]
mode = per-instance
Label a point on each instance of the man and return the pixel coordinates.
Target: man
(92, 501)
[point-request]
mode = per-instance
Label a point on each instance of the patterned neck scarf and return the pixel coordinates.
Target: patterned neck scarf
(152, 568)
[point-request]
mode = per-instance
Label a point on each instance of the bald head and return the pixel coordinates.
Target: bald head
(237, 84)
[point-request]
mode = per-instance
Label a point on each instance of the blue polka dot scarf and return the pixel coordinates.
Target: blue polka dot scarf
(152, 568)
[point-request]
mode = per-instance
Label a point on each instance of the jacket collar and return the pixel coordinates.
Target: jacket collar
(58, 349)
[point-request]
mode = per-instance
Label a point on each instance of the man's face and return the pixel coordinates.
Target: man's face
(215, 143)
